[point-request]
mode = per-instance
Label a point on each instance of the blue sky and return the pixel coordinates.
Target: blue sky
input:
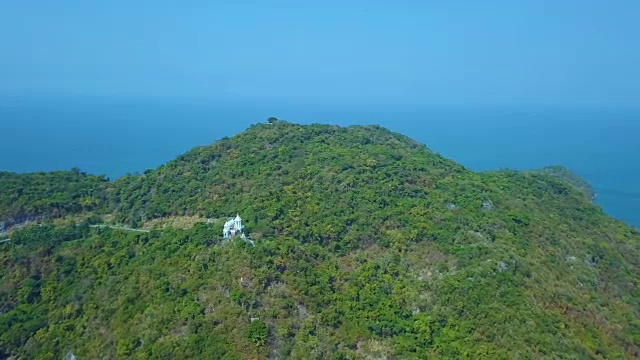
(538, 52)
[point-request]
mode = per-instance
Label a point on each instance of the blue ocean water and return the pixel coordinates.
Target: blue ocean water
(117, 136)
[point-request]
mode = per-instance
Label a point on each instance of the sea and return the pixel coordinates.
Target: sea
(117, 136)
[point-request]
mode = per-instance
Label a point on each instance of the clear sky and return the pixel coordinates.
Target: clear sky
(544, 52)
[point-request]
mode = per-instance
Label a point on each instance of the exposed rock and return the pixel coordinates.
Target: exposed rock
(19, 221)
(487, 205)
(302, 311)
(591, 261)
(502, 266)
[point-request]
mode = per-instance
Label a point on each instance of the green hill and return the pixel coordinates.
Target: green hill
(367, 246)
(28, 197)
(568, 176)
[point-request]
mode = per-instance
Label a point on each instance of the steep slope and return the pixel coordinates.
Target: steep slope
(566, 175)
(368, 245)
(25, 197)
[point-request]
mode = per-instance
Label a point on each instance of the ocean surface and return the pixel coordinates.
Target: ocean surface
(118, 136)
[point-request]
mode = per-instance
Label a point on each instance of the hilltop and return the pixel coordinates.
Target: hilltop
(367, 245)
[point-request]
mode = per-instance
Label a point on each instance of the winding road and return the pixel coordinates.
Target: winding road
(119, 228)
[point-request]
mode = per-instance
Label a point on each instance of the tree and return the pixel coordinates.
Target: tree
(257, 332)
(272, 120)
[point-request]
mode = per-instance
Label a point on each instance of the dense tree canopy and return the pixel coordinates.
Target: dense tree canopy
(567, 176)
(42, 195)
(367, 245)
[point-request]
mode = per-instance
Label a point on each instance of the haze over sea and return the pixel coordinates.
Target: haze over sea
(116, 136)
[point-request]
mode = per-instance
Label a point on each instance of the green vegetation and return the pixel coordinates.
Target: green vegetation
(572, 179)
(28, 197)
(257, 332)
(368, 245)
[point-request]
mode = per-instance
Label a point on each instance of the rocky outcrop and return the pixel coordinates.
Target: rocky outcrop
(19, 220)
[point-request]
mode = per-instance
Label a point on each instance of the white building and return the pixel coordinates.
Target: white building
(232, 227)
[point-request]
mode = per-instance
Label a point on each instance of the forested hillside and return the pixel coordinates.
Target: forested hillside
(367, 246)
(41, 195)
(568, 177)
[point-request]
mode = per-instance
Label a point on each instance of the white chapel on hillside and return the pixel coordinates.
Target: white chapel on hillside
(232, 227)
